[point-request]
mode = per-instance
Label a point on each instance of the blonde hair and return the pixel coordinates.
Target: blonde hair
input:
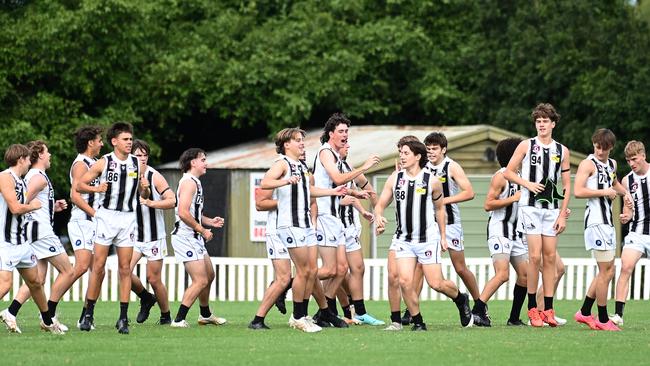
(286, 135)
(633, 148)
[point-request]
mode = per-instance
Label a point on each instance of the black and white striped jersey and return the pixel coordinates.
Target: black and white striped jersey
(599, 209)
(639, 189)
(293, 199)
(150, 221)
(348, 214)
(123, 178)
(91, 198)
(449, 187)
(327, 205)
(503, 221)
(12, 225)
(540, 163)
(414, 211)
(196, 207)
(40, 223)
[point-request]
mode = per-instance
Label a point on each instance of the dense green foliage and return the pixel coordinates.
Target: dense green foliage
(179, 68)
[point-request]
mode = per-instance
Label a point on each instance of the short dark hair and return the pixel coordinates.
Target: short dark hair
(604, 137)
(36, 148)
(418, 148)
(85, 134)
(116, 129)
(545, 110)
(140, 144)
(436, 138)
(334, 120)
(284, 136)
(187, 156)
(405, 139)
(505, 149)
(14, 153)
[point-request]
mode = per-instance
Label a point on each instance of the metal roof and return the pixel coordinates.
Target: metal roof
(364, 141)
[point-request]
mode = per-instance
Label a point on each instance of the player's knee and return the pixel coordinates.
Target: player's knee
(328, 272)
(437, 285)
(535, 259)
(502, 276)
(358, 269)
(283, 279)
(393, 279)
(627, 269)
(341, 270)
(559, 271)
(153, 278)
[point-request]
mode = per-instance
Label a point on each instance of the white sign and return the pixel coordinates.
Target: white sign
(257, 218)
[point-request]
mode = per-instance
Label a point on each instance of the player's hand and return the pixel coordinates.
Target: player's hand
(380, 224)
(372, 161)
(368, 216)
(560, 225)
(363, 195)
(144, 182)
(60, 205)
(340, 191)
(145, 201)
(610, 193)
(567, 213)
(534, 187)
(443, 244)
(294, 179)
(516, 196)
(206, 234)
(217, 222)
(34, 205)
(625, 217)
(347, 201)
(628, 201)
(101, 188)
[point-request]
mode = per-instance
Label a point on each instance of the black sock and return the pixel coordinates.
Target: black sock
(51, 307)
(395, 317)
(83, 313)
(519, 294)
(587, 305)
(124, 310)
(45, 316)
(145, 295)
(289, 285)
(331, 304)
(90, 307)
(258, 320)
(305, 306)
(347, 312)
(620, 305)
(14, 308)
(602, 314)
(532, 300)
(548, 302)
(205, 311)
(297, 310)
(417, 319)
(407, 313)
(359, 307)
(479, 306)
(182, 313)
(165, 315)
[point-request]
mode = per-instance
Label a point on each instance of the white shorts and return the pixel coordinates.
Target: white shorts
(187, 249)
(154, 250)
(115, 228)
(352, 243)
(47, 247)
(275, 248)
(638, 242)
(426, 253)
(600, 237)
(82, 234)
(454, 235)
(330, 231)
(538, 221)
(503, 245)
(296, 237)
(16, 256)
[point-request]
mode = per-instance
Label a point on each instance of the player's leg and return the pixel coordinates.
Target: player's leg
(24, 292)
(154, 277)
(435, 279)
(501, 263)
(549, 275)
(206, 317)
(196, 269)
(605, 259)
(532, 276)
(31, 278)
(282, 276)
(468, 278)
(629, 258)
(124, 254)
(520, 264)
(394, 293)
(405, 269)
(147, 300)
(95, 280)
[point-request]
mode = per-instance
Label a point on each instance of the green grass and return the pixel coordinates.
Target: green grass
(234, 344)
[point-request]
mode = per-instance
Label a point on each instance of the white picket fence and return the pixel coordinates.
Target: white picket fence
(245, 279)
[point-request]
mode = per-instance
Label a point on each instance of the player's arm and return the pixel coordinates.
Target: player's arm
(215, 222)
(8, 190)
(272, 176)
(186, 191)
(322, 192)
(83, 185)
(36, 184)
(513, 166)
(168, 198)
(329, 163)
(565, 171)
(348, 200)
(384, 200)
(78, 171)
(621, 189)
(585, 170)
(466, 191)
(440, 212)
(497, 184)
(313, 206)
(362, 210)
(264, 200)
(364, 184)
(628, 210)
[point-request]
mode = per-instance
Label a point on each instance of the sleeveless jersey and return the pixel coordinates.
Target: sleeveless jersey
(414, 212)
(639, 189)
(348, 214)
(196, 208)
(293, 199)
(272, 217)
(540, 163)
(91, 198)
(599, 209)
(40, 223)
(150, 221)
(449, 187)
(503, 221)
(123, 177)
(12, 225)
(327, 205)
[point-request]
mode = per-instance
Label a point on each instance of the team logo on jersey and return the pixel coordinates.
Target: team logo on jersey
(283, 251)
(555, 158)
(599, 243)
(33, 258)
(496, 246)
(319, 237)
(421, 191)
(132, 236)
(401, 182)
(535, 149)
(289, 240)
(52, 249)
(427, 253)
(455, 242)
(154, 251)
(270, 251)
(634, 187)
(133, 175)
(112, 165)
(506, 245)
(77, 243)
(442, 179)
(189, 253)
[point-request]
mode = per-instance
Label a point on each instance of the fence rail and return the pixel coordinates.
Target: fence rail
(245, 279)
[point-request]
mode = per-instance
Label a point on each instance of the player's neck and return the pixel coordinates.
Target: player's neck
(89, 153)
(121, 154)
(546, 139)
(293, 156)
(644, 168)
(414, 170)
(195, 173)
(16, 170)
(38, 166)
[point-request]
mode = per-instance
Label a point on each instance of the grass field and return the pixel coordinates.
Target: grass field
(233, 344)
